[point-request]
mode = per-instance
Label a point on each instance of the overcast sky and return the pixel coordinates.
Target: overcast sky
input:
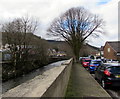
(47, 10)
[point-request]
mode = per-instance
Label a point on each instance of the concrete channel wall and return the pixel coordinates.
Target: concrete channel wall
(51, 83)
(59, 86)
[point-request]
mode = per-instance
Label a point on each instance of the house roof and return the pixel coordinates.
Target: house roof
(102, 47)
(115, 45)
(93, 47)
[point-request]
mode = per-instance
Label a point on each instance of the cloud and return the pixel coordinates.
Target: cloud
(47, 10)
(109, 12)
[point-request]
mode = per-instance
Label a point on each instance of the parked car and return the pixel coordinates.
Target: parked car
(108, 74)
(86, 62)
(93, 64)
(91, 57)
(82, 58)
(98, 57)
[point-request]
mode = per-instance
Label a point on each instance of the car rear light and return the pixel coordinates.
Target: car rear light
(85, 63)
(91, 65)
(106, 72)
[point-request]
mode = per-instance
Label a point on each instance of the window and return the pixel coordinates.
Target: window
(108, 49)
(98, 68)
(102, 67)
(87, 60)
(114, 69)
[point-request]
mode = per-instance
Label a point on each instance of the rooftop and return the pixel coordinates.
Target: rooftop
(115, 45)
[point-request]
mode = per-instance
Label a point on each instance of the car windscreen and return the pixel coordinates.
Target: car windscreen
(114, 69)
(87, 60)
(96, 62)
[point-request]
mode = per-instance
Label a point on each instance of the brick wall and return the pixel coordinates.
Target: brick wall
(109, 53)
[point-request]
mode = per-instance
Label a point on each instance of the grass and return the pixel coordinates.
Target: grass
(70, 92)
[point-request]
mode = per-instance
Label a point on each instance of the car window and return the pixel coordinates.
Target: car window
(101, 68)
(114, 69)
(98, 68)
(96, 62)
(87, 60)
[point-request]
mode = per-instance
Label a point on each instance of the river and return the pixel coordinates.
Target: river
(15, 82)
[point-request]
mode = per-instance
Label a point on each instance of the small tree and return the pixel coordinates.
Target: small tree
(18, 35)
(75, 26)
(41, 50)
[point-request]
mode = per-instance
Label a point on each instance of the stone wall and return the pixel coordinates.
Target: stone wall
(59, 86)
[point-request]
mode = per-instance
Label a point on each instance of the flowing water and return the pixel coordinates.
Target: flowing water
(15, 82)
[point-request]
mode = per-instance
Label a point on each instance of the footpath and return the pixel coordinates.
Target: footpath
(82, 84)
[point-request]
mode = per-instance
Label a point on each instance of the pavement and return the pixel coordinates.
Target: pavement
(82, 84)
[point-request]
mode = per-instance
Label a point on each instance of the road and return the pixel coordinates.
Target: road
(114, 92)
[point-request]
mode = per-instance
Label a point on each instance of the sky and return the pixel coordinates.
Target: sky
(46, 10)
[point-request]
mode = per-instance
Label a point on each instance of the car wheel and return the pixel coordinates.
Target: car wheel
(90, 72)
(96, 78)
(103, 84)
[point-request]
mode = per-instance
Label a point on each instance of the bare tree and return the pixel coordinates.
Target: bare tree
(75, 26)
(40, 49)
(18, 35)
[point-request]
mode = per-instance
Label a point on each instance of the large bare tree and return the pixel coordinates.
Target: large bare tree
(75, 26)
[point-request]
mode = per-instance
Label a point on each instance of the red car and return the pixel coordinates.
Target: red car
(86, 62)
